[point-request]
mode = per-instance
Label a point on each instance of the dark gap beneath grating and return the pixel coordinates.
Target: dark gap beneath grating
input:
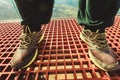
(89, 73)
(60, 52)
(59, 43)
(54, 43)
(112, 37)
(82, 57)
(4, 55)
(118, 36)
(9, 49)
(5, 42)
(53, 52)
(68, 65)
(2, 68)
(60, 47)
(72, 46)
(1, 41)
(82, 42)
(84, 46)
(14, 45)
(1, 61)
(16, 41)
(51, 76)
(45, 59)
(60, 57)
(114, 49)
(47, 48)
(78, 46)
(3, 50)
(66, 47)
(71, 42)
(46, 52)
(86, 50)
(65, 43)
(41, 76)
(9, 39)
(65, 38)
(6, 61)
(70, 75)
(116, 44)
(12, 42)
(77, 65)
(22, 76)
(73, 51)
(75, 38)
(66, 51)
(49, 40)
(53, 48)
(98, 73)
(80, 50)
(52, 66)
(12, 77)
(60, 65)
(70, 38)
(34, 76)
(117, 40)
(119, 55)
(43, 66)
(67, 58)
(85, 64)
(79, 74)
(2, 45)
(48, 44)
(49, 37)
(8, 45)
(60, 39)
(11, 55)
(3, 76)
(111, 40)
(52, 58)
(16, 70)
(75, 57)
(60, 60)
(54, 39)
(8, 69)
(41, 48)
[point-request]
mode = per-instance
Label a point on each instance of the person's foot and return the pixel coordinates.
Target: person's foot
(99, 52)
(27, 51)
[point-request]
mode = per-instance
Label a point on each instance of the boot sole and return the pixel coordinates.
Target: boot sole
(93, 59)
(31, 60)
(34, 56)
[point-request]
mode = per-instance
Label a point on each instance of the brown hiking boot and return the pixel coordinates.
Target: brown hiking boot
(101, 55)
(27, 51)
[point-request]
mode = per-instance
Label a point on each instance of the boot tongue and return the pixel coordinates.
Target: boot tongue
(27, 30)
(102, 42)
(94, 34)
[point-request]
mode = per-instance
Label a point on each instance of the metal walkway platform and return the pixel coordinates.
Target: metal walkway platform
(62, 54)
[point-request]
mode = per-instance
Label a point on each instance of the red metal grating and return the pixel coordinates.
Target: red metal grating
(62, 55)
